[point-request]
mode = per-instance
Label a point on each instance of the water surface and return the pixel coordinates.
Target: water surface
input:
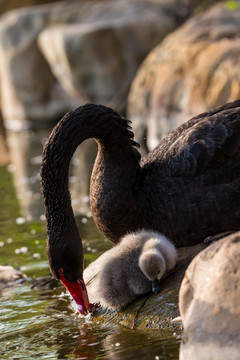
(38, 321)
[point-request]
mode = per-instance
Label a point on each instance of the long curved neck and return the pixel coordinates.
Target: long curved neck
(116, 147)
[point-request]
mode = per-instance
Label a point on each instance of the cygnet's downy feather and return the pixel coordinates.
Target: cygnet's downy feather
(125, 272)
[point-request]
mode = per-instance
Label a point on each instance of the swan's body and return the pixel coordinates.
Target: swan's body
(129, 269)
(187, 188)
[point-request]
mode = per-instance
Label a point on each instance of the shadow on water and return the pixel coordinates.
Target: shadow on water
(38, 322)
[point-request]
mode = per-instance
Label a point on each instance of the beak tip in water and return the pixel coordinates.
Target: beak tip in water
(79, 294)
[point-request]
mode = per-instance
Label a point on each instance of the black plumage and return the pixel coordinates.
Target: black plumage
(187, 188)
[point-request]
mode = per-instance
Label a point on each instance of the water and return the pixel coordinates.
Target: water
(38, 321)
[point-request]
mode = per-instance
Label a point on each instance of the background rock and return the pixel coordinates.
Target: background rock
(194, 69)
(28, 89)
(101, 43)
(6, 5)
(8, 274)
(209, 302)
(95, 61)
(9, 277)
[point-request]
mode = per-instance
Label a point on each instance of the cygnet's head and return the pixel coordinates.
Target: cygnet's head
(153, 266)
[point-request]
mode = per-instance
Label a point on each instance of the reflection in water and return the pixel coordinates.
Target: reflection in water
(118, 343)
(81, 169)
(127, 344)
(26, 151)
(88, 345)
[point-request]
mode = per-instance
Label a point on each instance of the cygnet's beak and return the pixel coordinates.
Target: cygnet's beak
(79, 294)
(155, 286)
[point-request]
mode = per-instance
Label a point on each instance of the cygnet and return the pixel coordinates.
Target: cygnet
(130, 269)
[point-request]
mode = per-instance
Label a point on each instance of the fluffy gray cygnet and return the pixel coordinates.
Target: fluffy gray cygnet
(130, 269)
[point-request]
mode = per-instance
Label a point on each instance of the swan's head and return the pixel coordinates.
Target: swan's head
(66, 264)
(153, 266)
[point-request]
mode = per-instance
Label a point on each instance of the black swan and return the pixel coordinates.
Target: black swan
(132, 268)
(187, 188)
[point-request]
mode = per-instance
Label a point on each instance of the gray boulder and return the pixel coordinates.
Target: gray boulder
(209, 303)
(95, 60)
(194, 69)
(89, 43)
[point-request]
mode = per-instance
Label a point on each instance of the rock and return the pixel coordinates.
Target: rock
(100, 33)
(209, 302)
(96, 59)
(154, 311)
(29, 91)
(6, 5)
(8, 274)
(9, 278)
(194, 69)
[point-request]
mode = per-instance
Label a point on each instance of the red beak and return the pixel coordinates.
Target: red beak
(79, 294)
